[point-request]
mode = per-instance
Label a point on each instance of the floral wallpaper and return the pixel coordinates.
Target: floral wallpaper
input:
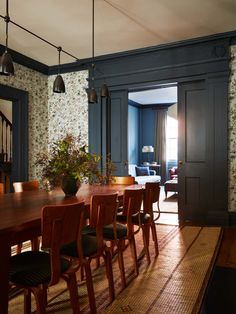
(68, 113)
(232, 131)
(36, 84)
(51, 115)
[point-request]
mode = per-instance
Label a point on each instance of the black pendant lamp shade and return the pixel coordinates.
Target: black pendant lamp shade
(6, 64)
(59, 85)
(92, 96)
(104, 91)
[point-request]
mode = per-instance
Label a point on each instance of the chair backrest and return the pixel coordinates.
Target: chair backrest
(61, 225)
(26, 186)
(1, 188)
(132, 202)
(123, 180)
(103, 210)
(151, 196)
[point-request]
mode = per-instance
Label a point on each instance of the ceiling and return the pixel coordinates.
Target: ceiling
(161, 95)
(120, 25)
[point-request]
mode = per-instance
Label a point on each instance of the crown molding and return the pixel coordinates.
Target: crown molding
(84, 64)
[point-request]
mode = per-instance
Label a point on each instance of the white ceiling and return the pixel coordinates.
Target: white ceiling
(120, 25)
(155, 96)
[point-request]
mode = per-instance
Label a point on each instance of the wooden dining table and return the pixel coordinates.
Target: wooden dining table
(20, 220)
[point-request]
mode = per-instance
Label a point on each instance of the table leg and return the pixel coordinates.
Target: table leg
(5, 253)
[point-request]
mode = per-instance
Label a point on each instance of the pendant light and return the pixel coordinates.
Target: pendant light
(59, 85)
(6, 63)
(92, 94)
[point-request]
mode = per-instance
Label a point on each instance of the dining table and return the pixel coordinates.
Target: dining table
(20, 220)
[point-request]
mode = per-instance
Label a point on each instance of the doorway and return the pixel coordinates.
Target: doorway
(5, 143)
(153, 123)
(19, 143)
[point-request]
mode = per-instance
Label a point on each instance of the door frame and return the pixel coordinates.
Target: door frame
(20, 100)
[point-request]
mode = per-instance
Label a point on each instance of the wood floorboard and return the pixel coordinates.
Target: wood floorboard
(227, 252)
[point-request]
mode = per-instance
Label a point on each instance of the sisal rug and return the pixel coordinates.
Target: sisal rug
(172, 283)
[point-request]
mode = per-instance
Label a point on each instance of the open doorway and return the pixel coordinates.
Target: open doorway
(5, 143)
(153, 137)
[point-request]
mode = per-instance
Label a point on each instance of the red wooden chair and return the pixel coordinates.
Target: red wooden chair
(21, 187)
(35, 271)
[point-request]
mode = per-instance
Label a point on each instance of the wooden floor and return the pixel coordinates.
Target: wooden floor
(169, 215)
(227, 252)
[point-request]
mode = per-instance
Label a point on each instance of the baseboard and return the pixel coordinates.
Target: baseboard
(218, 218)
(232, 218)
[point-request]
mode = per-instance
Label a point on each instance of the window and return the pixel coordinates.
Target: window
(171, 139)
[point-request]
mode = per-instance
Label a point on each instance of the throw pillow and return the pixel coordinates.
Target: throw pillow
(142, 171)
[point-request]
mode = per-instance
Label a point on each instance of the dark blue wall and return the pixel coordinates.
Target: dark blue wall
(141, 126)
(147, 133)
(133, 135)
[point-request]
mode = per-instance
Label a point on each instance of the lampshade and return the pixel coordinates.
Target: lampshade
(148, 149)
(104, 91)
(6, 64)
(58, 85)
(92, 96)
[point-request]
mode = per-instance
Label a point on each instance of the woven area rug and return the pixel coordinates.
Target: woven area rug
(172, 283)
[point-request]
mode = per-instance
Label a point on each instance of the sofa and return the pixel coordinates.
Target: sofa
(143, 174)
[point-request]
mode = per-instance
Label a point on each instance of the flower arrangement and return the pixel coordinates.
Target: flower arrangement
(67, 159)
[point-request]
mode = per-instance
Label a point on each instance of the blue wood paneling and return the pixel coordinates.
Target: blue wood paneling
(133, 135)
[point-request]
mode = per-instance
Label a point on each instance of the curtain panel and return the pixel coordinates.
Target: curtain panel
(160, 141)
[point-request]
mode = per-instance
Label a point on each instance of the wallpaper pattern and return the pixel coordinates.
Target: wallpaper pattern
(68, 113)
(232, 131)
(51, 115)
(36, 84)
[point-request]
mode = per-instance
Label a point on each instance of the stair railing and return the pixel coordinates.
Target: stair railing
(5, 139)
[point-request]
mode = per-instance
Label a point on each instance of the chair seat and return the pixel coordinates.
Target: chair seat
(89, 246)
(108, 231)
(144, 218)
(33, 268)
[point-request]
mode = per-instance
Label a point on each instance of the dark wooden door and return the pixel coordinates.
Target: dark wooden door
(202, 151)
(119, 129)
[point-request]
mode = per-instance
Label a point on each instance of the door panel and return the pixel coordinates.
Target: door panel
(195, 151)
(119, 129)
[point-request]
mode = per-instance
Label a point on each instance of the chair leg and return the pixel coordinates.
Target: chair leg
(89, 283)
(97, 262)
(73, 289)
(154, 236)
(121, 247)
(134, 254)
(146, 231)
(39, 295)
(27, 301)
(109, 273)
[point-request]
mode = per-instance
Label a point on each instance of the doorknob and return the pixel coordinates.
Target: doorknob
(180, 162)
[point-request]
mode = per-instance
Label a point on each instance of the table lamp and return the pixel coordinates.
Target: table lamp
(148, 150)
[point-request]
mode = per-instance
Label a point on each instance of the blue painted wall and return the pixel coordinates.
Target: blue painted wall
(133, 135)
(141, 130)
(147, 132)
